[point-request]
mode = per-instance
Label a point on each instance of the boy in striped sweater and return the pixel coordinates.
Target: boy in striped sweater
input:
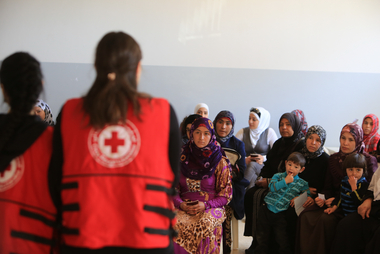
(283, 189)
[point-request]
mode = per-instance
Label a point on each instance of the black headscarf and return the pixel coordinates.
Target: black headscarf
(288, 144)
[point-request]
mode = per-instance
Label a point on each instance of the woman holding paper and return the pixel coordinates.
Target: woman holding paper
(314, 173)
(316, 229)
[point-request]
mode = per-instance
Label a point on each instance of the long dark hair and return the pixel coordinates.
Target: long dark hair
(21, 77)
(116, 62)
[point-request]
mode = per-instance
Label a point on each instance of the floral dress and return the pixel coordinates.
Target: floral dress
(201, 233)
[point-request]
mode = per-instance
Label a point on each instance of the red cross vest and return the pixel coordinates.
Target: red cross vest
(27, 213)
(117, 181)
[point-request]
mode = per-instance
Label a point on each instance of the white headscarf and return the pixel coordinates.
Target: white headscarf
(201, 105)
(264, 121)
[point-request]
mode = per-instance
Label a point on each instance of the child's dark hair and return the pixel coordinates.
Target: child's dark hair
(355, 160)
(21, 77)
(297, 158)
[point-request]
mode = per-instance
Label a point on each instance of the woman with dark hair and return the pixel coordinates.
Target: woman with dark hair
(203, 191)
(234, 148)
(111, 175)
(292, 139)
(316, 229)
(27, 213)
(186, 125)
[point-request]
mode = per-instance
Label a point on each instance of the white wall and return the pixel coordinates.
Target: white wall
(320, 56)
(316, 35)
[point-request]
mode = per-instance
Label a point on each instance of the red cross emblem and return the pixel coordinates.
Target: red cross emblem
(114, 142)
(114, 145)
(12, 174)
(3, 173)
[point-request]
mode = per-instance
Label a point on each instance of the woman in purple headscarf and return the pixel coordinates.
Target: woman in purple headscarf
(203, 191)
(316, 229)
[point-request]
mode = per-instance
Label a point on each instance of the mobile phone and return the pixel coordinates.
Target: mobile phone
(191, 203)
(254, 155)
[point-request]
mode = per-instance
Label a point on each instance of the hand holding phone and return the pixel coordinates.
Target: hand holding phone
(191, 203)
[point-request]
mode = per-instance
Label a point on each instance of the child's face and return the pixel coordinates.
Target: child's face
(293, 168)
(355, 172)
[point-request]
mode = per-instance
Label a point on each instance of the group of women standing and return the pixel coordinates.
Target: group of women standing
(97, 185)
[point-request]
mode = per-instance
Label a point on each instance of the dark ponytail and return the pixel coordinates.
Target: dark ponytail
(117, 58)
(21, 77)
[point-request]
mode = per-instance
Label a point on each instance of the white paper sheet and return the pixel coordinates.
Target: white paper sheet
(298, 203)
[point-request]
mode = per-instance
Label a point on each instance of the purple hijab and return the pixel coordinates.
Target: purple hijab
(200, 163)
(357, 132)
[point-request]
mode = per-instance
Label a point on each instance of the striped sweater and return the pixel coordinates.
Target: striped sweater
(350, 200)
(280, 194)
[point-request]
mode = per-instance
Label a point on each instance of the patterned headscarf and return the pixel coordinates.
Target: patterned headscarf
(200, 163)
(371, 140)
(315, 129)
(48, 114)
(299, 113)
(230, 116)
(357, 132)
(264, 120)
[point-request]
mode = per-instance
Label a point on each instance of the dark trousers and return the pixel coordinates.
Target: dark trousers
(356, 235)
(271, 224)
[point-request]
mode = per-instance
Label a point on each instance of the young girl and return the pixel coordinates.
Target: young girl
(354, 185)
(27, 213)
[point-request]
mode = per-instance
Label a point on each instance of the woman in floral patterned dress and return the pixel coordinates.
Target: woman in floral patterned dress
(206, 180)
